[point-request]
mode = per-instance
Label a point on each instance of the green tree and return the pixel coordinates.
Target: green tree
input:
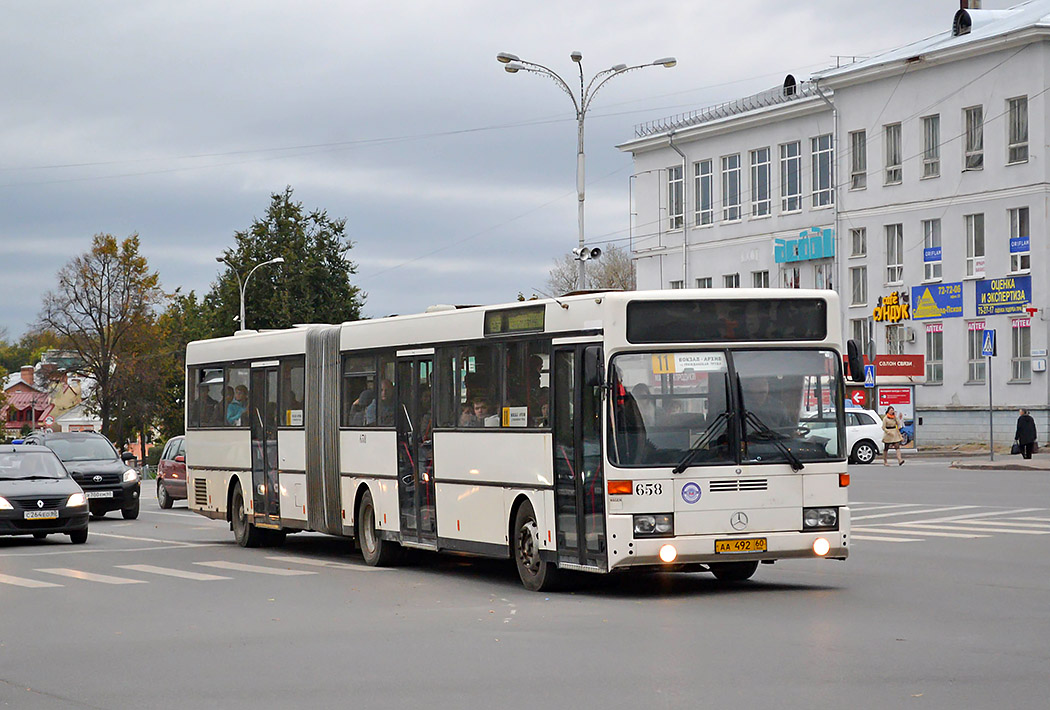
(185, 319)
(311, 286)
(104, 299)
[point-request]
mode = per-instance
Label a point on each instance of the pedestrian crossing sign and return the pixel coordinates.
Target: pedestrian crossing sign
(869, 376)
(988, 344)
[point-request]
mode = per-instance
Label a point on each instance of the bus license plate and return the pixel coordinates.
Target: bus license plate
(41, 514)
(99, 494)
(740, 545)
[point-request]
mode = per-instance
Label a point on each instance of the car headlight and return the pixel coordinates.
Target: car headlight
(658, 525)
(75, 500)
(4, 505)
(131, 475)
(820, 518)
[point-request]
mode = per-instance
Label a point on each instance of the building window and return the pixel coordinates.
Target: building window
(931, 146)
(823, 189)
(791, 277)
(858, 283)
(894, 253)
(1021, 350)
(677, 284)
(973, 119)
(1017, 150)
(974, 359)
(731, 188)
(895, 339)
(934, 353)
(858, 241)
(858, 160)
(704, 282)
(760, 279)
(975, 245)
(862, 330)
(931, 249)
(760, 183)
(675, 198)
(892, 135)
(731, 280)
(791, 177)
(822, 276)
(704, 188)
(1020, 243)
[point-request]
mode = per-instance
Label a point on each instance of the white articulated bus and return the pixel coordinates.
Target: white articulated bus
(690, 429)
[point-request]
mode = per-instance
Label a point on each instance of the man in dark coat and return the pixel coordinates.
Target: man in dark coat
(1026, 434)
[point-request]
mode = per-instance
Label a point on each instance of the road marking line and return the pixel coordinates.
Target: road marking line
(145, 539)
(22, 582)
(151, 569)
(1008, 523)
(1042, 520)
(912, 512)
(90, 576)
(253, 568)
(876, 538)
(924, 531)
(962, 526)
(329, 565)
(971, 516)
(865, 508)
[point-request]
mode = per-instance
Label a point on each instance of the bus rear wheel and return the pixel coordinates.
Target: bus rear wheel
(246, 534)
(376, 551)
(537, 575)
(733, 571)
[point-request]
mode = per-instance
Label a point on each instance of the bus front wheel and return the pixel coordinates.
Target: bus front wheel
(536, 574)
(733, 571)
(376, 551)
(246, 534)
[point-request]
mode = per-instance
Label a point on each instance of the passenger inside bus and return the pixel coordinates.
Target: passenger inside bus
(359, 409)
(235, 410)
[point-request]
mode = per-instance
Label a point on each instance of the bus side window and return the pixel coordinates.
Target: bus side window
(193, 413)
(386, 404)
(445, 393)
(359, 391)
(235, 398)
(210, 394)
(293, 384)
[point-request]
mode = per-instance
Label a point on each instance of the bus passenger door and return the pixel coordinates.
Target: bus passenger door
(265, 488)
(415, 450)
(579, 480)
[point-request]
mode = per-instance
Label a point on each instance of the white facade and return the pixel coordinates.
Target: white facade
(919, 203)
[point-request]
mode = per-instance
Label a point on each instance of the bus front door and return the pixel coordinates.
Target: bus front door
(579, 480)
(266, 491)
(415, 450)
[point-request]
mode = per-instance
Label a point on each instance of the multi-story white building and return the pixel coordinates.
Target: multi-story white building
(915, 178)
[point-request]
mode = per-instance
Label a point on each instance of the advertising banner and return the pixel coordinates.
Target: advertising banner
(937, 301)
(1000, 296)
(813, 243)
(902, 399)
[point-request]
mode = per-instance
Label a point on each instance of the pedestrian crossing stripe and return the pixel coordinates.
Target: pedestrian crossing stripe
(90, 576)
(923, 532)
(240, 567)
(168, 572)
(22, 582)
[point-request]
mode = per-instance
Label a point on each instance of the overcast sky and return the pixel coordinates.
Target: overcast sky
(176, 120)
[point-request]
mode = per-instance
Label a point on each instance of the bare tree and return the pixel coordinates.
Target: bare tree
(614, 269)
(102, 297)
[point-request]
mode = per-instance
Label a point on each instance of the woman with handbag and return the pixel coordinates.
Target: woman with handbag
(1026, 435)
(891, 435)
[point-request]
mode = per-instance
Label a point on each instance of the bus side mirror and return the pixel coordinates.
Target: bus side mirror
(593, 367)
(855, 361)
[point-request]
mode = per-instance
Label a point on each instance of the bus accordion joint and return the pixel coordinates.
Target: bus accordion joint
(621, 488)
(843, 480)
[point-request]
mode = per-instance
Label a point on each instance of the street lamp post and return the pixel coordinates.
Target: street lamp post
(514, 64)
(242, 285)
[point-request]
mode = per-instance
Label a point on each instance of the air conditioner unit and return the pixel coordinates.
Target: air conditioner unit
(909, 334)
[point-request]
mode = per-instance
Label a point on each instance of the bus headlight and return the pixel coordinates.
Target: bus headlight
(131, 475)
(820, 518)
(657, 525)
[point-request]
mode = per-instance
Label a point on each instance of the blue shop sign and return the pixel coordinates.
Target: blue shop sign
(931, 254)
(1018, 245)
(811, 244)
(937, 301)
(1000, 296)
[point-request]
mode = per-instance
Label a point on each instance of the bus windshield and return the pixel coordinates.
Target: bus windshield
(714, 407)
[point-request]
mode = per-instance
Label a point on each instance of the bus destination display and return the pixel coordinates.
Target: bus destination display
(515, 320)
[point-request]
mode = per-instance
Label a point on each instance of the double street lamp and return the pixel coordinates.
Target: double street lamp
(242, 285)
(514, 64)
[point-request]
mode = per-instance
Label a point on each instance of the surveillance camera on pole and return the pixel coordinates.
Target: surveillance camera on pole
(585, 254)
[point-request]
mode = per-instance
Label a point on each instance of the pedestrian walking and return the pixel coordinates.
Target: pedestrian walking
(891, 435)
(1026, 435)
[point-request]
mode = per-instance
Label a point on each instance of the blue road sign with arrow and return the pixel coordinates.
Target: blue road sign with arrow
(988, 344)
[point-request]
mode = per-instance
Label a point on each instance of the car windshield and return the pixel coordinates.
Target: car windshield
(30, 464)
(687, 408)
(86, 449)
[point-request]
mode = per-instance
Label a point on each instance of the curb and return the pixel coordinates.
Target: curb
(995, 466)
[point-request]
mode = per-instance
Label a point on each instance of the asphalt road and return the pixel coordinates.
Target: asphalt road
(944, 603)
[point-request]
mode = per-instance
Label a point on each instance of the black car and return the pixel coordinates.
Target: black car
(38, 497)
(105, 476)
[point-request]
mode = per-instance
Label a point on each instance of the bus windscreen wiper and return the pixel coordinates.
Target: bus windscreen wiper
(704, 439)
(773, 438)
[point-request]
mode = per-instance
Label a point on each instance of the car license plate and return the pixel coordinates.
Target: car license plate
(99, 494)
(740, 545)
(41, 514)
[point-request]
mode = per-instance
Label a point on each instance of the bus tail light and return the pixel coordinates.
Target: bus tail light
(621, 488)
(843, 480)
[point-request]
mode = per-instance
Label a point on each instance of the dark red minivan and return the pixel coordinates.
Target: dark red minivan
(171, 472)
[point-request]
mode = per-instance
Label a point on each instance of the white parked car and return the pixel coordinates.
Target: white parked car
(863, 434)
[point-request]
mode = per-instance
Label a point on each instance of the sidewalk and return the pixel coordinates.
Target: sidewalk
(1005, 462)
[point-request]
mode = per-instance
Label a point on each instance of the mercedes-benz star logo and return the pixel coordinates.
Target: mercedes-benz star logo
(97, 479)
(40, 504)
(738, 521)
